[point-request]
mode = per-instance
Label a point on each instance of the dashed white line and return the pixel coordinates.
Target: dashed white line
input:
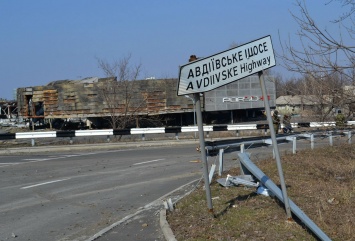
(44, 183)
(140, 163)
(33, 160)
(9, 164)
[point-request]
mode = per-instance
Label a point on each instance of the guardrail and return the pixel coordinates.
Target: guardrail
(132, 131)
(248, 168)
(221, 144)
(254, 142)
(159, 130)
(253, 170)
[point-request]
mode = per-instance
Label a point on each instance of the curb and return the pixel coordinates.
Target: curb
(165, 227)
(163, 223)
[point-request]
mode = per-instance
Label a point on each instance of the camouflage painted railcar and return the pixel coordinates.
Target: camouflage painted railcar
(103, 97)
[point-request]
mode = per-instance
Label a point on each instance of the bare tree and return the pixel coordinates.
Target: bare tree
(322, 52)
(118, 91)
(129, 101)
(324, 59)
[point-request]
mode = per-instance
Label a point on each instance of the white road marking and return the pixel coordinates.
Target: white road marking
(140, 163)
(33, 160)
(41, 159)
(44, 183)
(9, 164)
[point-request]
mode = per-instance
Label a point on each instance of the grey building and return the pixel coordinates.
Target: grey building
(241, 100)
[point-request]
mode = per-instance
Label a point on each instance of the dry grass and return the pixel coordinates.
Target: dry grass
(321, 182)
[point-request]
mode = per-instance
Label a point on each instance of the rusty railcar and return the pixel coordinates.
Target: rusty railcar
(91, 97)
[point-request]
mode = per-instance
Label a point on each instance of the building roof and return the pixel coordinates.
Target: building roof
(87, 80)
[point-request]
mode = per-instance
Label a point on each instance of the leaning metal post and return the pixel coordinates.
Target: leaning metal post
(349, 137)
(203, 151)
(274, 144)
(220, 155)
(242, 148)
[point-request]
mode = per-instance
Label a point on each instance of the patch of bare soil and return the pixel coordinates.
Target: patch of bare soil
(321, 182)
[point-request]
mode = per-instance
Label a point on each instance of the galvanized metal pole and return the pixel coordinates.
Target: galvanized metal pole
(194, 103)
(203, 151)
(220, 155)
(242, 148)
(274, 144)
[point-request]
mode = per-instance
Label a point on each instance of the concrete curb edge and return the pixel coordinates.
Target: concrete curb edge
(165, 227)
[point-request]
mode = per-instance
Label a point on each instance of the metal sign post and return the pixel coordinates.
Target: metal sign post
(203, 150)
(275, 146)
(206, 74)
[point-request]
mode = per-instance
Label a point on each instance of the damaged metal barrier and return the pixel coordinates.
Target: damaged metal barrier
(246, 180)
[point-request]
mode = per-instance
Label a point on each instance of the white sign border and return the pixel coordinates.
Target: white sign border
(208, 62)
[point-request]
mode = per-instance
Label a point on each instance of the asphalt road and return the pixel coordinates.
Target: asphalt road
(73, 195)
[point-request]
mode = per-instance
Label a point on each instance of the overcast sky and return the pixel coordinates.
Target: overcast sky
(46, 40)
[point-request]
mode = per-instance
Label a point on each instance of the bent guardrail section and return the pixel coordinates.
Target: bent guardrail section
(267, 182)
(249, 168)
